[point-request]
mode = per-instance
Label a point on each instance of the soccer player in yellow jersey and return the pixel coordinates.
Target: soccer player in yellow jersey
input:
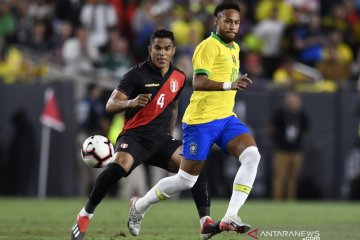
(210, 119)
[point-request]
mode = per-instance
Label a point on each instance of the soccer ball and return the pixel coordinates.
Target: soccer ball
(97, 151)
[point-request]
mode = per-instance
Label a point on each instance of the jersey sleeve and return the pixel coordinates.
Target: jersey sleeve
(204, 57)
(127, 84)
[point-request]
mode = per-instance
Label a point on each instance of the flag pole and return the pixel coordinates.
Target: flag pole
(44, 162)
(50, 119)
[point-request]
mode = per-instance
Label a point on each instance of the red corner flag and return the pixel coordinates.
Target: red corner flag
(50, 116)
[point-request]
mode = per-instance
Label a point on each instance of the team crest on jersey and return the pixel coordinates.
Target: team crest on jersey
(234, 59)
(193, 148)
(174, 86)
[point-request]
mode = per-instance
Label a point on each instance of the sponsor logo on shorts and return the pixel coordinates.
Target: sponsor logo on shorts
(193, 148)
(124, 145)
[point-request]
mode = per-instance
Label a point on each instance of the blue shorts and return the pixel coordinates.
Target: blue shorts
(199, 138)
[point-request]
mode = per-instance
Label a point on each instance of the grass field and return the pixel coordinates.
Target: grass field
(31, 219)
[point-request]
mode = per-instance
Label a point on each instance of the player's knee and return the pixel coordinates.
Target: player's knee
(202, 179)
(250, 156)
(186, 180)
(125, 160)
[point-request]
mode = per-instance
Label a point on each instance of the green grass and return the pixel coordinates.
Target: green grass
(31, 219)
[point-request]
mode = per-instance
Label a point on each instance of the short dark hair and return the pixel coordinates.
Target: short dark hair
(162, 33)
(226, 5)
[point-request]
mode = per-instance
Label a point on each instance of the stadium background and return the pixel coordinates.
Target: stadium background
(67, 45)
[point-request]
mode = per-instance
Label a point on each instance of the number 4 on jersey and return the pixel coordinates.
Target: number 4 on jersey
(161, 100)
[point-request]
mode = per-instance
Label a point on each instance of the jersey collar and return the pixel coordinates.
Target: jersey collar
(155, 70)
(214, 35)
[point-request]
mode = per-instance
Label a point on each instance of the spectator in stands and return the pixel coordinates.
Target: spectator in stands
(270, 31)
(337, 56)
(63, 32)
(98, 17)
(78, 53)
(41, 10)
(7, 21)
(306, 5)
(290, 73)
(11, 60)
(300, 18)
(125, 11)
(246, 24)
(336, 19)
(23, 23)
(118, 59)
(67, 10)
(353, 20)
(189, 48)
(203, 10)
(142, 16)
(184, 25)
(40, 25)
(309, 40)
(39, 39)
(265, 7)
(288, 128)
(143, 24)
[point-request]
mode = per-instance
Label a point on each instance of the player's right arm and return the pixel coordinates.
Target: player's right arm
(119, 102)
(127, 88)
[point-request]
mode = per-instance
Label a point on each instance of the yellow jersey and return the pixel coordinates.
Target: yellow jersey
(220, 63)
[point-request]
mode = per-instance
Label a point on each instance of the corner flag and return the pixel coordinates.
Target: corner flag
(50, 116)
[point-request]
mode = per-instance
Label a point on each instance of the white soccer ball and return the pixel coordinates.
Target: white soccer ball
(97, 151)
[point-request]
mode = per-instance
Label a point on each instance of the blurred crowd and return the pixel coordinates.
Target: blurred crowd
(283, 42)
